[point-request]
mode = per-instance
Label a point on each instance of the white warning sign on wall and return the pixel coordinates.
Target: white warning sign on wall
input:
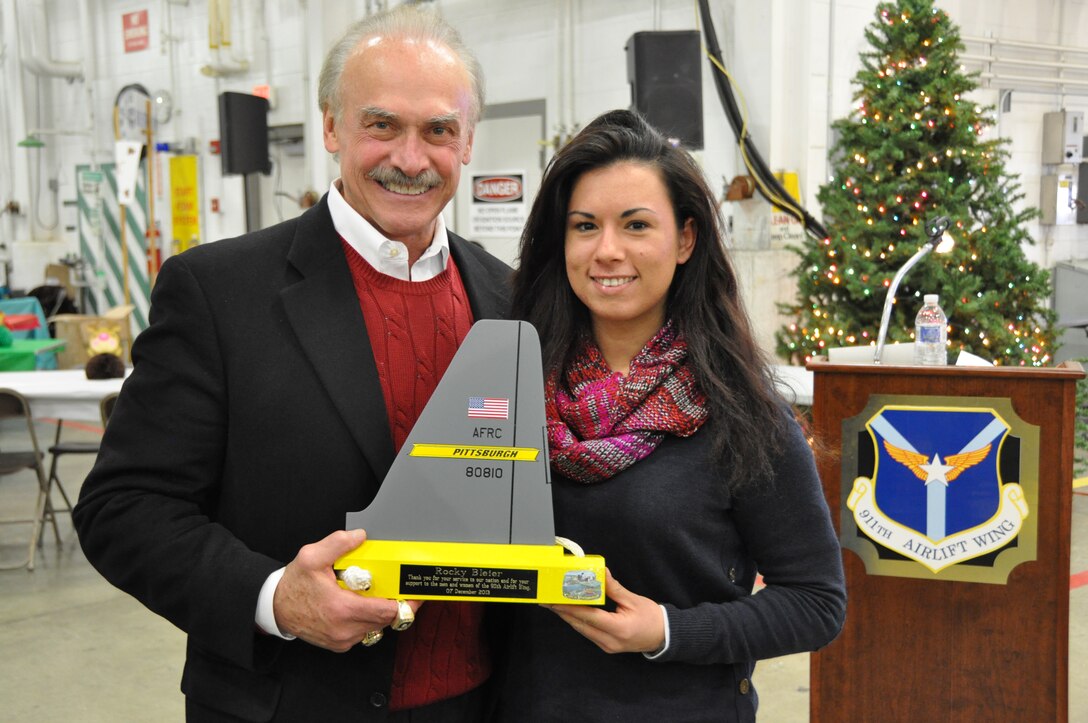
(498, 207)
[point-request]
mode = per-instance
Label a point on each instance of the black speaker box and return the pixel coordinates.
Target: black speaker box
(664, 69)
(243, 133)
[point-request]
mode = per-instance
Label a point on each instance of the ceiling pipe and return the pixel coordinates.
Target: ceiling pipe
(57, 132)
(38, 62)
(219, 37)
(90, 68)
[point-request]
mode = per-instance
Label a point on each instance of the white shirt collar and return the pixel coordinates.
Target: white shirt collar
(385, 255)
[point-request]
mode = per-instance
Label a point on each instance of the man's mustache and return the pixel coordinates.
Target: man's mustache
(396, 180)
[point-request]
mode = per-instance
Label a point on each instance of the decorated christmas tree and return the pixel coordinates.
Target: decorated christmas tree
(910, 151)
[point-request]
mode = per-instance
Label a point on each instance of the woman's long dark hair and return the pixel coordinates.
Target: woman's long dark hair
(703, 300)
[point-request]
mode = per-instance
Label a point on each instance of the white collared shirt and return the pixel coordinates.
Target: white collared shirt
(385, 255)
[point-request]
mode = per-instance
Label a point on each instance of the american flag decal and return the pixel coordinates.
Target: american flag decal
(488, 408)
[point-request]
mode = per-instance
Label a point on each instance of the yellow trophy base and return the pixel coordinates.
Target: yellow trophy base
(479, 572)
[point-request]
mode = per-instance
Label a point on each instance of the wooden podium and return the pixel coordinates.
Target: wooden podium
(937, 641)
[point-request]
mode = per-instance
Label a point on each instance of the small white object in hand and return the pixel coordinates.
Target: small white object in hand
(356, 578)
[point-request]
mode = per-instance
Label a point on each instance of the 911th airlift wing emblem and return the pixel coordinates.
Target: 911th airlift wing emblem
(935, 471)
(938, 510)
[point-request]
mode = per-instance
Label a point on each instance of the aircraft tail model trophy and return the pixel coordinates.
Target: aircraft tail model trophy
(465, 512)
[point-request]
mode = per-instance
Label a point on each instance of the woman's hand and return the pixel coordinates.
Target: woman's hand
(636, 626)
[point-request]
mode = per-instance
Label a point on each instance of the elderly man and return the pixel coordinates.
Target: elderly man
(280, 373)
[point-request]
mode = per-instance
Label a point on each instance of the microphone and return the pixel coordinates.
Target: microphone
(939, 239)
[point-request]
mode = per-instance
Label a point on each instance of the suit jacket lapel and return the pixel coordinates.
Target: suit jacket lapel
(486, 294)
(323, 309)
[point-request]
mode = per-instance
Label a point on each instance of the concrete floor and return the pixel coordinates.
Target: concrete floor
(73, 648)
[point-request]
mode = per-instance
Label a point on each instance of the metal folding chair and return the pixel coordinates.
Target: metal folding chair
(105, 407)
(14, 406)
(59, 449)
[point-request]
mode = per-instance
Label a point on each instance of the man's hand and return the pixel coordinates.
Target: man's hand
(636, 626)
(309, 604)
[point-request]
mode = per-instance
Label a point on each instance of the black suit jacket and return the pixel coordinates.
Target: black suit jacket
(252, 421)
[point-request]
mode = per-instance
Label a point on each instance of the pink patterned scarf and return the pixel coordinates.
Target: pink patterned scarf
(607, 421)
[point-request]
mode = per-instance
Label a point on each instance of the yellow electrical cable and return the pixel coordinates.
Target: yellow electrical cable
(771, 195)
(774, 197)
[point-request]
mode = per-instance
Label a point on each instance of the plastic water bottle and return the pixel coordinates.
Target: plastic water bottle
(931, 334)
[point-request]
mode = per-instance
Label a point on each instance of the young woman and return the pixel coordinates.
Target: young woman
(672, 454)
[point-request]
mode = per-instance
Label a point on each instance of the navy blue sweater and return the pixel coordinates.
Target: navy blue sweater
(670, 530)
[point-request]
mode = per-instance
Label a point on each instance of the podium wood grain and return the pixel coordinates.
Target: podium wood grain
(934, 650)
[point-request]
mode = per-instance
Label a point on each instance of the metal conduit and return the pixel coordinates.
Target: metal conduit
(992, 61)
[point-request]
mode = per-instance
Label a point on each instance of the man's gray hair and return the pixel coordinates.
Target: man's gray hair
(403, 21)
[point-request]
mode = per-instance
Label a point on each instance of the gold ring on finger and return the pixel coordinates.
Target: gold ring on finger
(372, 638)
(405, 617)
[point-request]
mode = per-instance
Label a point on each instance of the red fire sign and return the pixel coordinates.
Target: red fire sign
(135, 31)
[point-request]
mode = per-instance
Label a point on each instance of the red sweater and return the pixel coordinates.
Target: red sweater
(414, 330)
